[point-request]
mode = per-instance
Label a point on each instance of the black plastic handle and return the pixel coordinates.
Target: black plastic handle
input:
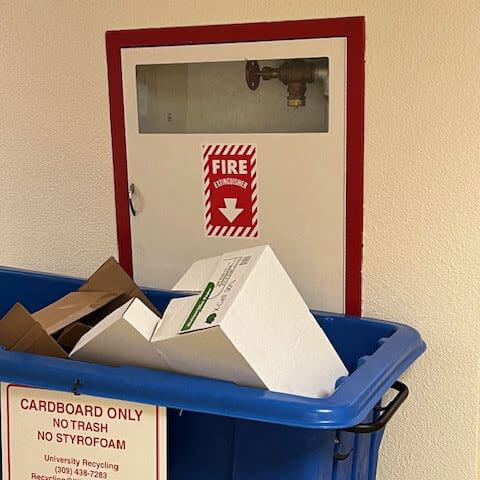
(387, 412)
(131, 193)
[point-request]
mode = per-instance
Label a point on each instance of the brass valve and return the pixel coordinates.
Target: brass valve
(295, 74)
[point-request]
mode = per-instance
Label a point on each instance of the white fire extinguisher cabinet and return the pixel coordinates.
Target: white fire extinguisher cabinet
(238, 135)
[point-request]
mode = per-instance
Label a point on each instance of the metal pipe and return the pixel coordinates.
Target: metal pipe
(295, 74)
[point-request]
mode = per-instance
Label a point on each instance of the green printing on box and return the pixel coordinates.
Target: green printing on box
(198, 306)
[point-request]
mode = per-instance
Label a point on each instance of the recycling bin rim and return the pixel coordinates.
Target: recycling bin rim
(355, 396)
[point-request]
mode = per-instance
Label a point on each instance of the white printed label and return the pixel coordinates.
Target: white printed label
(218, 293)
(50, 435)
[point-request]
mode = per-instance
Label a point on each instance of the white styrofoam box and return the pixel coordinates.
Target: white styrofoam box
(122, 338)
(248, 325)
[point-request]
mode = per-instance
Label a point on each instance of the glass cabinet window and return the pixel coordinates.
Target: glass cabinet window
(264, 96)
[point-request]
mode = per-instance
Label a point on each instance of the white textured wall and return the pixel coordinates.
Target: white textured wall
(422, 175)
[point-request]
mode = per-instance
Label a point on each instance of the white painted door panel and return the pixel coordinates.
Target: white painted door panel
(301, 180)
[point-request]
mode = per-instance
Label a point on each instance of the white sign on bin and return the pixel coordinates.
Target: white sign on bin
(50, 435)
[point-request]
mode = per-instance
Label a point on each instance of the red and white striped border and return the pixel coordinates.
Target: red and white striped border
(248, 151)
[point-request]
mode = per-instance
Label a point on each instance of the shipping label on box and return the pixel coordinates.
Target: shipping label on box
(220, 291)
(51, 435)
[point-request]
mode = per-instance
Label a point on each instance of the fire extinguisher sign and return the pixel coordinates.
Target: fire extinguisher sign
(230, 190)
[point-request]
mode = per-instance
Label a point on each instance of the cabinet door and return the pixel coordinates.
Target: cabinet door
(181, 101)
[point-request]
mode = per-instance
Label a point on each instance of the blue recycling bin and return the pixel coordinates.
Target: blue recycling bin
(221, 431)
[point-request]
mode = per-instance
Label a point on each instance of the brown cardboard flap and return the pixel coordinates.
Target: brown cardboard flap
(20, 332)
(72, 308)
(111, 277)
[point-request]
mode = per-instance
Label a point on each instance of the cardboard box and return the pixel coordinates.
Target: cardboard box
(71, 308)
(107, 289)
(122, 338)
(248, 325)
(20, 332)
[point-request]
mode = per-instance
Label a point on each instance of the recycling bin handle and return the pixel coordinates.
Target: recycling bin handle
(387, 412)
